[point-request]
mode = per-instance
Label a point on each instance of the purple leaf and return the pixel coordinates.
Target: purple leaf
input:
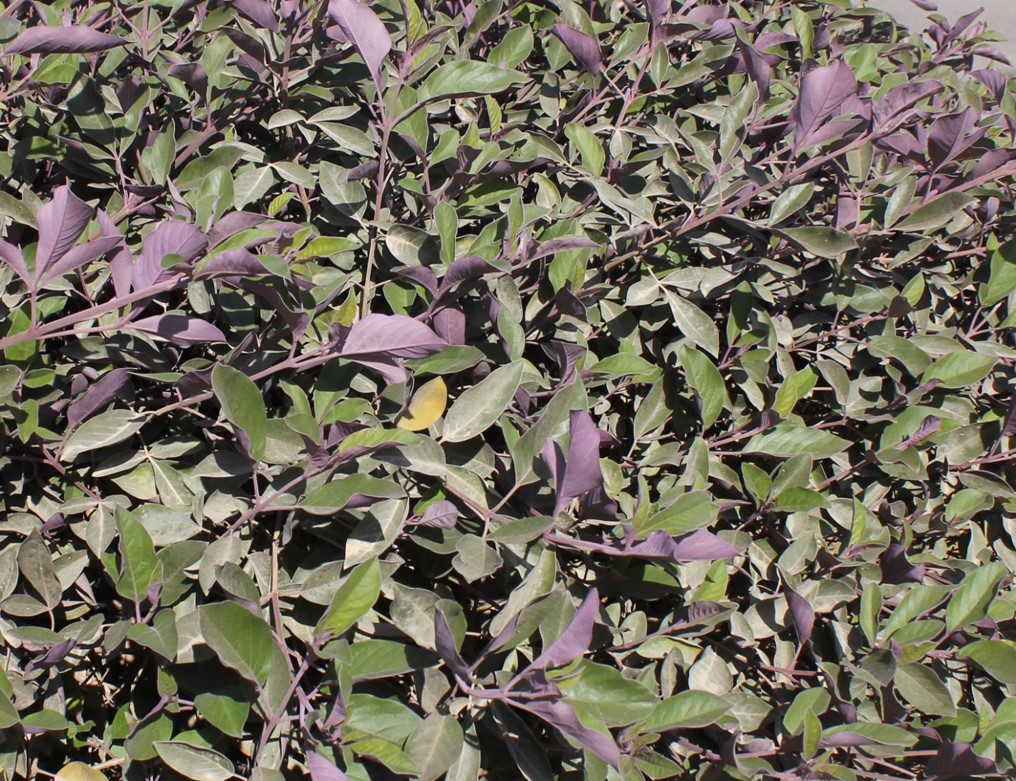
(959, 760)
(847, 738)
(503, 636)
(561, 716)
(896, 568)
(575, 639)
(951, 135)
(12, 256)
(823, 91)
(232, 224)
(463, 270)
(440, 515)
(180, 329)
(801, 613)
(928, 426)
(366, 31)
(55, 654)
(698, 545)
(232, 262)
(962, 24)
(97, 396)
(658, 10)
(258, 11)
(583, 47)
(756, 66)
(79, 256)
(581, 472)
(395, 336)
(905, 96)
(61, 222)
(122, 262)
(322, 769)
(172, 237)
(450, 325)
(993, 80)
(444, 644)
(422, 276)
(1009, 427)
(701, 545)
(554, 246)
(62, 40)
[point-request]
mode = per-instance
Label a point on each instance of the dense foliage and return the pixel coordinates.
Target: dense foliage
(509, 389)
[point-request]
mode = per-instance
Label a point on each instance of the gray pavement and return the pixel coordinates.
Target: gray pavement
(999, 15)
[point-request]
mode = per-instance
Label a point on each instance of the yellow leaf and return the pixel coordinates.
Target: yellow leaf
(428, 404)
(79, 771)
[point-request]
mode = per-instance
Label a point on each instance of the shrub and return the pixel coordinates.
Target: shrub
(508, 390)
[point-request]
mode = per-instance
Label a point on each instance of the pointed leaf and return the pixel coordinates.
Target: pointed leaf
(243, 405)
(355, 596)
(575, 640)
(180, 329)
(464, 78)
(823, 91)
(61, 222)
(193, 761)
(109, 428)
(689, 709)
(583, 47)
(241, 640)
(366, 32)
(172, 237)
(478, 408)
(71, 39)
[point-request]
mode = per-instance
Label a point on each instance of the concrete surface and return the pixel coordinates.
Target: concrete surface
(999, 15)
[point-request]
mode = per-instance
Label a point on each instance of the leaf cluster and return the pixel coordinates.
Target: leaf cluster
(505, 389)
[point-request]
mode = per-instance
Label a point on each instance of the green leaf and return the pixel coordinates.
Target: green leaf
(822, 242)
(8, 715)
(814, 700)
(354, 597)
(997, 657)
(789, 440)
(35, 563)
(790, 201)
(243, 405)
(707, 382)
(969, 604)
(372, 659)
(331, 497)
(225, 712)
(610, 697)
(160, 637)
(689, 709)
(693, 510)
(880, 734)
(192, 761)
(922, 688)
(108, 428)
(478, 408)
(960, 369)
(464, 78)
(793, 389)
(590, 148)
(138, 562)
(241, 640)
(1002, 281)
(918, 601)
(694, 323)
(936, 214)
(435, 745)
